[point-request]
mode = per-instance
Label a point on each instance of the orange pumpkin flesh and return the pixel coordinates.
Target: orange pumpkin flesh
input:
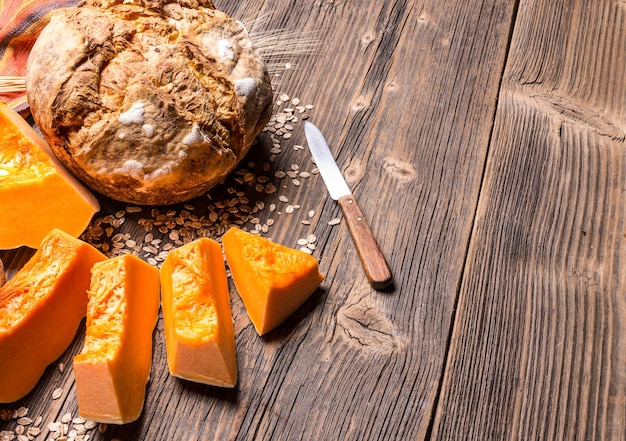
(272, 280)
(41, 308)
(199, 331)
(113, 368)
(36, 193)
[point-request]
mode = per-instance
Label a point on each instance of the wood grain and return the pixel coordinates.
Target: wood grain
(484, 141)
(405, 91)
(538, 345)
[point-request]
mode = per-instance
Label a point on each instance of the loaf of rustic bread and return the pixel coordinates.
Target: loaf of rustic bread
(148, 102)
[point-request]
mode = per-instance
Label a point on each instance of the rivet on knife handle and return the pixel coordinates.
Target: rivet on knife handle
(372, 258)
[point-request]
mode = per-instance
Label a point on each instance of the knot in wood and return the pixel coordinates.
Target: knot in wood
(367, 327)
(399, 170)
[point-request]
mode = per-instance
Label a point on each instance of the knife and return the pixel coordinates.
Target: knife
(372, 258)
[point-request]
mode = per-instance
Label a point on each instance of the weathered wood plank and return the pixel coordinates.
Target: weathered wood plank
(405, 92)
(538, 349)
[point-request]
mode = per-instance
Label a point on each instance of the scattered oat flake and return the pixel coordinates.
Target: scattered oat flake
(334, 221)
(57, 393)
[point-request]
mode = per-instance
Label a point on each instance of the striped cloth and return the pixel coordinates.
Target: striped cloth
(21, 21)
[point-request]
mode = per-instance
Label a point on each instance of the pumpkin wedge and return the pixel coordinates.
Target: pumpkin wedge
(113, 368)
(273, 280)
(41, 307)
(36, 193)
(199, 333)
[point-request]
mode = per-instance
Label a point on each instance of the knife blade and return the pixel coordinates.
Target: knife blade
(373, 261)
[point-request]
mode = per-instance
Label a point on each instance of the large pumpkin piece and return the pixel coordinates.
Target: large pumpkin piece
(36, 193)
(113, 368)
(198, 323)
(41, 307)
(149, 102)
(272, 280)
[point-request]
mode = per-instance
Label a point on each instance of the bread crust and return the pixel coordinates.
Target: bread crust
(148, 102)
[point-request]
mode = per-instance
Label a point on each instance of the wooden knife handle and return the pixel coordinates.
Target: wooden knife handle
(372, 258)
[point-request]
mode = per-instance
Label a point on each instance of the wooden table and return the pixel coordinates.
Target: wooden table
(485, 143)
